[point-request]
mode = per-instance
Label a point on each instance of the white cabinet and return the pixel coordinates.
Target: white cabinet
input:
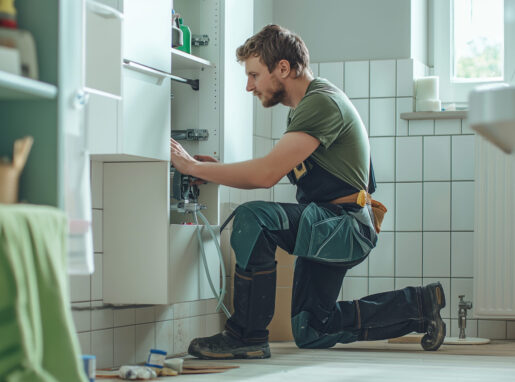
(147, 260)
(137, 101)
(152, 256)
(147, 38)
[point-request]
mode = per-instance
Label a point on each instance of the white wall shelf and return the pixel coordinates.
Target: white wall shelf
(16, 87)
(182, 60)
(459, 114)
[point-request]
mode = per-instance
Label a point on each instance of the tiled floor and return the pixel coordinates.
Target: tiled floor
(371, 361)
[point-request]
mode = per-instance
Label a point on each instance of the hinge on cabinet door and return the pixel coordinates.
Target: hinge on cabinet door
(190, 135)
(200, 40)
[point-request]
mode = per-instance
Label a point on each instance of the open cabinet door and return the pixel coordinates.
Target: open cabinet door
(75, 167)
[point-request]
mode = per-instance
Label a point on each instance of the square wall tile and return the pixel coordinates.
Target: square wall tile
(124, 317)
(262, 119)
(463, 157)
(447, 126)
(145, 340)
(462, 206)
(285, 193)
(421, 127)
(385, 194)
(404, 105)
(405, 78)
(101, 318)
(491, 329)
(382, 78)
(262, 146)
(446, 285)
(80, 288)
(97, 184)
(164, 336)
(315, 68)
(279, 120)
(409, 159)
(404, 282)
(81, 318)
(102, 347)
(84, 342)
(381, 259)
(165, 312)
(437, 209)
(361, 106)
(360, 270)
(408, 207)
(124, 345)
(145, 315)
(382, 151)
(437, 158)
(182, 334)
(382, 117)
(333, 72)
(408, 254)
(462, 254)
(460, 286)
(354, 288)
(96, 278)
(357, 79)
(436, 254)
(380, 284)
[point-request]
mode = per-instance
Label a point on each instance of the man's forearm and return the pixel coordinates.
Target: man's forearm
(255, 173)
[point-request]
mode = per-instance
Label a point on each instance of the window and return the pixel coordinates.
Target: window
(478, 40)
(473, 44)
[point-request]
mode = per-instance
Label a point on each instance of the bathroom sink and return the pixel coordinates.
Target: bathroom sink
(492, 114)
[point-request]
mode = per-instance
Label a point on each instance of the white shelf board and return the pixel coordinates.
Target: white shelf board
(13, 87)
(459, 114)
(182, 60)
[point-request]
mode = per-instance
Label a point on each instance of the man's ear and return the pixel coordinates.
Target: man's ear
(284, 68)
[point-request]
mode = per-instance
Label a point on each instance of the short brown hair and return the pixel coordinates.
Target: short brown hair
(273, 44)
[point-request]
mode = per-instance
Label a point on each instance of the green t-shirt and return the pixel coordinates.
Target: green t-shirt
(327, 114)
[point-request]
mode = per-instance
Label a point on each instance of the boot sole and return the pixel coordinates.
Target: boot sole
(440, 300)
(241, 353)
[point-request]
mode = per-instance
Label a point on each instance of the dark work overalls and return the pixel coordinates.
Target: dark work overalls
(328, 239)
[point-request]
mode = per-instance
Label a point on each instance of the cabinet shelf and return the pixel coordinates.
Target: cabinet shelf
(182, 60)
(14, 87)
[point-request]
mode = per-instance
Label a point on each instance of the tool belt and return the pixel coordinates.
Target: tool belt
(363, 198)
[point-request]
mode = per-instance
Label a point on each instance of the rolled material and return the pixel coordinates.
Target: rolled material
(428, 105)
(427, 88)
(427, 94)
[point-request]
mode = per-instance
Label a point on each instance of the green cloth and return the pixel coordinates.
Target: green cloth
(37, 335)
(327, 114)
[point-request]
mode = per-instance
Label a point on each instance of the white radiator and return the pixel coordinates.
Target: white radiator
(494, 237)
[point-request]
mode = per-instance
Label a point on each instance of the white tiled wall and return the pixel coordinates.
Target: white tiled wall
(425, 175)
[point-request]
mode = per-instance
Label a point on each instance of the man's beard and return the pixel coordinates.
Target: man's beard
(277, 96)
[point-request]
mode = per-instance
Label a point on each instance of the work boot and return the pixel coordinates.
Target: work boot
(433, 300)
(225, 346)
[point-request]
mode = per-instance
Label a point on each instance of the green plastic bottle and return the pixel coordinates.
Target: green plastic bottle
(186, 37)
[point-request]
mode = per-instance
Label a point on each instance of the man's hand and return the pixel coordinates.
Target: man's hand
(180, 158)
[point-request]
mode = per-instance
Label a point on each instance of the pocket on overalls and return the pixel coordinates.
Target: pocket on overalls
(339, 239)
(325, 236)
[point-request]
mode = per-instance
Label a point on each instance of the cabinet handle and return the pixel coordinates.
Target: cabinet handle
(161, 75)
(103, 10)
